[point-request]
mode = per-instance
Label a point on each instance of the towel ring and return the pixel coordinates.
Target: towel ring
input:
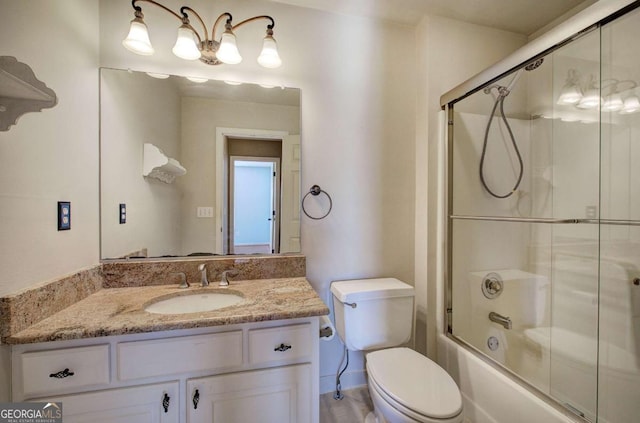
(315, 191)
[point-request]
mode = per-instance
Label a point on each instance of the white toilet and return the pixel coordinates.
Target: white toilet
(405, 386)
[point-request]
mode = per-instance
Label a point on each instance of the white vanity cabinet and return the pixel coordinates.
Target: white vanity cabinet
(252, 372)
(279, 394)
(157, 403)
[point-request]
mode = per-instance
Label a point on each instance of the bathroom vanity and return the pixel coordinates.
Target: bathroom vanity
(108, 360)
(249, 372)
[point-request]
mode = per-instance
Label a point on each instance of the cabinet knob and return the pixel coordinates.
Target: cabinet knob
(165, 402)
(282, 348)
(196, 399)
(62, 374)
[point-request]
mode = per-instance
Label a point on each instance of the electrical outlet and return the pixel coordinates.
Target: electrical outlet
(204, 212)
(122, 209)
(64, 215)
(591, 212)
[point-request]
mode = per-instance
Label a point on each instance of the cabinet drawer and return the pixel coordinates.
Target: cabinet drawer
(86, 366)
(140, 359)
(280, 343)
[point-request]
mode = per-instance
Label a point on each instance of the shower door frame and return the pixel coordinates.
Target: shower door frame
(592, 18)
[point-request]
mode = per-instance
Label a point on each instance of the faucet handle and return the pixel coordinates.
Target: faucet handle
(183, 280)
(225, 277)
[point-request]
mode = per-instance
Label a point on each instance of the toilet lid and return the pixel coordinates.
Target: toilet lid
(415, 382)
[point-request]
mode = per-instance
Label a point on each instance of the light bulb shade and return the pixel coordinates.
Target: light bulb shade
(137, 39)
(186, 46)
(631, 105)
(613, 103)
(269, 57)
(570, 94)
(228, 51)
(590, 100)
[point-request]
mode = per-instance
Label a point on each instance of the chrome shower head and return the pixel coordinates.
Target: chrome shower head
(534, 65)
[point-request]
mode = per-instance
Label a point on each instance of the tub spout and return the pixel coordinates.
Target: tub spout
(500, 319)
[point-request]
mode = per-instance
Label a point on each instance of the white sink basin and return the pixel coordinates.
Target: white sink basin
(194, 303)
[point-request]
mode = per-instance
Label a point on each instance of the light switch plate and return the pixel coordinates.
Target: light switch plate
(64, 215)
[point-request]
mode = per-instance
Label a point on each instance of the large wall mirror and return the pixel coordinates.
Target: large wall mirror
(193, 167)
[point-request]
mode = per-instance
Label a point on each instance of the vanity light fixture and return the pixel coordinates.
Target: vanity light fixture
(571, 93)
(591, 98)
(158, 75)
(191, 45)
(631, 105)
(196, 79)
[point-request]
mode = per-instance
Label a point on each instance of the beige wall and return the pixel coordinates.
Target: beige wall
(53, 155)
(200, 118)
(449, 52)
(130, 117)
(358, 114)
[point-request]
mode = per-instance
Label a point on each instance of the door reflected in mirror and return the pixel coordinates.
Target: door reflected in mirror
(229, 138)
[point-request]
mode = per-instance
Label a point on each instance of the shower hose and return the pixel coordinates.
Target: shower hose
(502, 94)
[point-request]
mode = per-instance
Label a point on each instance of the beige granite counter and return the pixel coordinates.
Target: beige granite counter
(118, 311)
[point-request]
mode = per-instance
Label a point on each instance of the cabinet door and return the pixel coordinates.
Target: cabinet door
(143, 404)
(281, 394)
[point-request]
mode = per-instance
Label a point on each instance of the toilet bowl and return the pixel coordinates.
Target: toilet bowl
(407, 387)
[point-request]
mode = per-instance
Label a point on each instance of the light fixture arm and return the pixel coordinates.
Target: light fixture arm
(138, 9)
(217, 22)
(255, 18)
(185, 20)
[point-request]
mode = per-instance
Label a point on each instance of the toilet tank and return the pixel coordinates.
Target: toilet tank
(373, 313)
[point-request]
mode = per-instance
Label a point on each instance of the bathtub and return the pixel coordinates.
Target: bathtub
(488, 395)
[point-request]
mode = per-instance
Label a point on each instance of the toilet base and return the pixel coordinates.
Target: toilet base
(371, 418)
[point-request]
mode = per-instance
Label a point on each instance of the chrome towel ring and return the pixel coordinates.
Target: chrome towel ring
(315, 191)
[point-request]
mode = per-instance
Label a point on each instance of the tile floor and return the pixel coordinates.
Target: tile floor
(353, 408)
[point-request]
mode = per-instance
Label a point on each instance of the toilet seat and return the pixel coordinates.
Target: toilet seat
(414, 385)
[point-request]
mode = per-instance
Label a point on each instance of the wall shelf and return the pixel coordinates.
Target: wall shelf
(21, 92)
(158, 165)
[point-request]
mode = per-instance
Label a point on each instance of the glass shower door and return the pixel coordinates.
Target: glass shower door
(524, 250)
(619, 341)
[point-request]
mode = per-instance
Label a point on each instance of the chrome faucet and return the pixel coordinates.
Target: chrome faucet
(500, 319)
(225, 278)
(183, 280)
(203, 275)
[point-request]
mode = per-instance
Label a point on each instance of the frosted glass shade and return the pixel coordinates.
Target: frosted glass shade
(631, 105)
(590, 100)
(613, 103)
(137, 39)
(228, 51)
(186, 47)
(570, 94)
(269, 57)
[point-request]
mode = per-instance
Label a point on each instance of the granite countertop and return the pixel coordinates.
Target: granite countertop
(119, 311)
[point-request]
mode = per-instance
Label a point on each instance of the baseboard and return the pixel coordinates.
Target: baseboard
(348, 380)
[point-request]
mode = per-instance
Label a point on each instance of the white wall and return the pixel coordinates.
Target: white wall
(130, 117)
(50, 156)
(449, 52)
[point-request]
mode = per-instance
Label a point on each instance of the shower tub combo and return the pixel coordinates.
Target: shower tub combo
(542, 274)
